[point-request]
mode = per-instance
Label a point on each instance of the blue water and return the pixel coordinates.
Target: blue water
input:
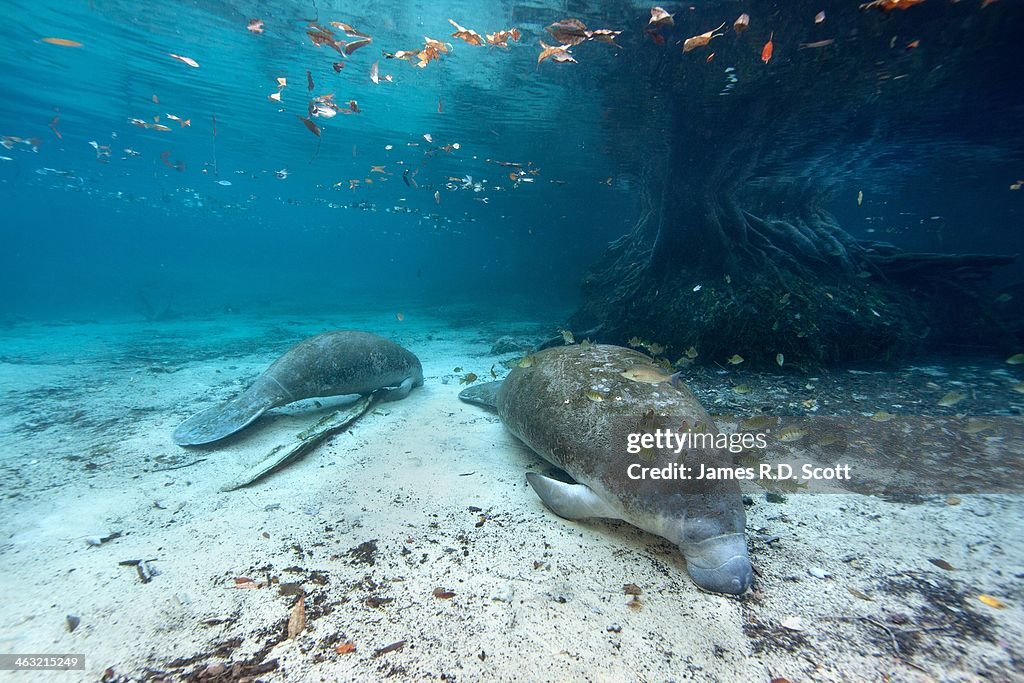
(86, 233)
(91, 234)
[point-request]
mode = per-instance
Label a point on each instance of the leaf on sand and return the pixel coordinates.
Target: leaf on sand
(992, 602)
(941, 564)
(297, 619)
(345, 648)
(442, 594)
(295, 446)
(793, 624)
(858, 594)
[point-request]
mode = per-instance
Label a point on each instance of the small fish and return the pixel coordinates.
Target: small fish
(860, 197)
(1015, 359)
(779, 359)
(185, 60)
(225, 183)
(790, 434)
(646, 374)
(882, 416)
(1018, 387)
(951, 399)
(735, 359)
(468, 378)
(1003, 298)
(585, 344)
(816, 44)
(691, 352)
(758, 422)
(741, 389)
(977, 426)
(594, 396)
(437, 196)
(655, 348)
(399, 316)
(526, 362)
(567, 336)
(769, 47)
(635, 342)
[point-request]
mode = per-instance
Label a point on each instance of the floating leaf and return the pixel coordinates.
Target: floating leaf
(468, 35)
(742, 23)
(185, 60)
(356, 44)
(659, 17)
(556, 53)
(701, 40)
(63, 42)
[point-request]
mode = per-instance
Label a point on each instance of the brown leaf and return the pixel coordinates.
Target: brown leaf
(442, 594)
(631, 589)
(313, 128)
(701, 40)
(297, 619)
(557, 53)
(345, 648)
(356, 44)
(659, 17)
(569, 32)
(468, 35)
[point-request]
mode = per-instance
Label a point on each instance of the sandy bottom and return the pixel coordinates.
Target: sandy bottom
(426, 497)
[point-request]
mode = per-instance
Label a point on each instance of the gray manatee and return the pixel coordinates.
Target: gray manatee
(329, 364)
(575, 408)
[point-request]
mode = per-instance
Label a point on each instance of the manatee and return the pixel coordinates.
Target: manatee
(329, 364)
(575, 408)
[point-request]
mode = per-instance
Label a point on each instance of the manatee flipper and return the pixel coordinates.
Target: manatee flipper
(571, 501)
(282, 454)
(485, 394)
(225, 419)
(399, 392)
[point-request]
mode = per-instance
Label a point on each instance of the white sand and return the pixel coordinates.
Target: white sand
(536, 598)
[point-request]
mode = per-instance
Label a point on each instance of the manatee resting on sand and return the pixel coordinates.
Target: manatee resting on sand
(576, 406)
(329, 364)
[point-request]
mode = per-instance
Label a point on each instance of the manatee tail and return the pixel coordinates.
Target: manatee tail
(485, 394)
(224, 420)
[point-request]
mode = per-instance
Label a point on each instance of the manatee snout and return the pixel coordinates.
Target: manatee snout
(720, 564)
